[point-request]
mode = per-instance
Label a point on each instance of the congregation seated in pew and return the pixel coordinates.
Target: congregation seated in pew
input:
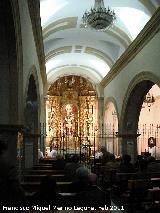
(70, 167)
(48, 193)
(11, 192)
(92, 195)
(153, 165)
(126, 165)
(84, 193)
(52, 153)
(60, 162)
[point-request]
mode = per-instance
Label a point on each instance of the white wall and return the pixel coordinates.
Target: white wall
(148, 59)
(30, 58)
(30, 66)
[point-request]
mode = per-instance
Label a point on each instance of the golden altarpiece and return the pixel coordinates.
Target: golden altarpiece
(71, 112)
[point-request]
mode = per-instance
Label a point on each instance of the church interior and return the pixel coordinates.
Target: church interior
(80, 106)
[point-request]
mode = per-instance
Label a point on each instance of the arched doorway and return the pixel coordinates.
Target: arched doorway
(149, 124)
(130, 117)
(31, 124)
(72, 116)
(111, 129)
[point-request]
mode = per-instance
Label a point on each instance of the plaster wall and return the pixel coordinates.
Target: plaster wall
(148, 59)
(30, 58)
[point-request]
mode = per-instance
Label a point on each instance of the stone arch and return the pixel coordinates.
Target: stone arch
(137, 89)
(31, 115)
(111, 121)
(111, 99)
(98, 87)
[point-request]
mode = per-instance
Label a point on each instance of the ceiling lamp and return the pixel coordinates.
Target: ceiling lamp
(99, 17)
(148, 100)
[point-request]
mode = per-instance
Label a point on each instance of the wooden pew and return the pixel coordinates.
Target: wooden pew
(47, 160)
(34, 186)
(38, 178)
(155, 182)
(43, 167)
(42, 172)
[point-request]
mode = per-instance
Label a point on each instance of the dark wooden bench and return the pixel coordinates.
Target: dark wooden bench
(42, 171)
(39, 177)
(34, 186)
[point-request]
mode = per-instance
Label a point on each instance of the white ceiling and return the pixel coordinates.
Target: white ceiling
(70, 48)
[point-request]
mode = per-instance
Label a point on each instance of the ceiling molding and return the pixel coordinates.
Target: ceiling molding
(87, 72)
(58, 51)
(88, 50)
(61, 24)
(149, 5)
(78, 49)
(71, 22)
(99, 54)
(75, 66)
(118, 37)
(148, 32)
(118, 34)
(122, 33)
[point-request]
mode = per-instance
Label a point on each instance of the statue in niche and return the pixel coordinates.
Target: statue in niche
(69, 116)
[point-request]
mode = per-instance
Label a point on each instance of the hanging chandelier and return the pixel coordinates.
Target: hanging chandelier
(99, 17)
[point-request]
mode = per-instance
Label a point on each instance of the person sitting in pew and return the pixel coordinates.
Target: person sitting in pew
(109, 171)
(92, 195)
(11, 192)
(81, 180)
(52, 153)
(60, 163)
(70, 168)
(126, 171)
(153, 166)
(40, 155)
(126, 166)
(48, 194)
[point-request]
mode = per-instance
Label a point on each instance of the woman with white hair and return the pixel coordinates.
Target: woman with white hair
(81, 181)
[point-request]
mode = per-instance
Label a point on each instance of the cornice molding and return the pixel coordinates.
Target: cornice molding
(148, 32)
(34, 10)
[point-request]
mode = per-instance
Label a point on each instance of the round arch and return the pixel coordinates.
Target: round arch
(137, 89)
(111, 99)
(111, 118)
(96, 85)
(31, 116)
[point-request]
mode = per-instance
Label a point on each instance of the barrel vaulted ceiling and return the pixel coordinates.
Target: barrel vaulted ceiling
(72, 49)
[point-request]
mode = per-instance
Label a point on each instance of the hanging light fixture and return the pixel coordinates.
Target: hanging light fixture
(149, 100)
(99, 17)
